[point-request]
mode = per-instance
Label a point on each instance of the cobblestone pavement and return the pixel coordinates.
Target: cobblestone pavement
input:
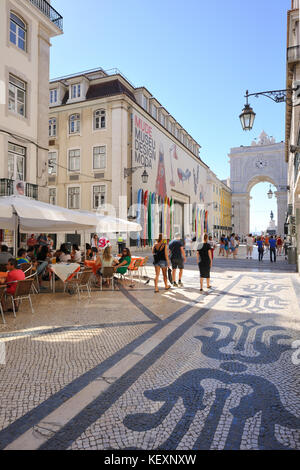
(177, 370)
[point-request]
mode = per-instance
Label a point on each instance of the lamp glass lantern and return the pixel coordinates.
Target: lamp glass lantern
(247, 117)
(270, 193)
(145, 177)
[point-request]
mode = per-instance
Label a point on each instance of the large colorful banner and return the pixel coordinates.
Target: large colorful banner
(174, 177)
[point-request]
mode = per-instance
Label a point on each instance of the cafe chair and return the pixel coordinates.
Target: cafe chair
(22, 292)
(80, 282)
(135, 268)
(107, 274)
(2, 294)
(143, 270)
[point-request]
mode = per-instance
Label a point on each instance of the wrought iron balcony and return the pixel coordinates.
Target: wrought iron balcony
(32, 190)
(49, 11)
(7, 188)
(293, 54)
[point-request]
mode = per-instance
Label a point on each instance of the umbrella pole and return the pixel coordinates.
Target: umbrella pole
(16, 232)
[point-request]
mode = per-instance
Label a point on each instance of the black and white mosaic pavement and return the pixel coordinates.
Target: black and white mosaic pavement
(215, 371)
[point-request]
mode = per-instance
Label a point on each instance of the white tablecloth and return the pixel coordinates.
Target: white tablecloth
(64, 270)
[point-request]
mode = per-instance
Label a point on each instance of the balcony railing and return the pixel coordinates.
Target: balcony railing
(293, 54)
(7, 188)
(49, 11)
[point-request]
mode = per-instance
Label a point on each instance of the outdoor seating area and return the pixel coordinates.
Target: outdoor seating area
(37, 268)
(26, 276)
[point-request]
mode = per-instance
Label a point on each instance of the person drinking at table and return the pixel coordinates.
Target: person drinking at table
(13, 275)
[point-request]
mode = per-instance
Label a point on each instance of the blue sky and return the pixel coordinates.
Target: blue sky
(197, 58)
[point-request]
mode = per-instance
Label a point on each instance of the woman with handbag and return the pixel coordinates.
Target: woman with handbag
(161, 261)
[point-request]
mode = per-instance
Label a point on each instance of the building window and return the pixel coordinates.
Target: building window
(99, 158)
(17, 33)
(100, 119)
(74, 198)
(145, 102)
(52, 196)
(53, 96)
(52, 127)
(52, 161)
(154, 111)
(74, 160)
(76, 91)
(16, 95)
(99, 196)
(74, 124)
(162, 119)
(16, 162)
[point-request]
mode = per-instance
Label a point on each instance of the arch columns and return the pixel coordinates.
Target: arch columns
(281, 211)
(241, 213)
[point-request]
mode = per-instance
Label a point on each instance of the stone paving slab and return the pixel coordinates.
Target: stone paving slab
(177, 370)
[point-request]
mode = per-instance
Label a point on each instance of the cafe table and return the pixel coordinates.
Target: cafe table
(64, 271)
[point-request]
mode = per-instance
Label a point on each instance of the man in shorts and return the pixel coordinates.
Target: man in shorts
(178, 259)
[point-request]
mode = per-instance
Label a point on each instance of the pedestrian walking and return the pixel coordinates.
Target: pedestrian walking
(232, 245)
(260, 245)
(249, 245)
(222, 246)
(226, 246)
(188, 245)
(279, 245)
(204, 260)
(213, 245)
(272, 243)
(161, 261)
(266, 242)
(178, 259)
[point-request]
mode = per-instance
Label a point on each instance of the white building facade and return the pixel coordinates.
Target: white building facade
(26, 27)
(103, 135)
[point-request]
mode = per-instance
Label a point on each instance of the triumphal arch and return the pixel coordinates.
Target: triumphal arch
(262, 161)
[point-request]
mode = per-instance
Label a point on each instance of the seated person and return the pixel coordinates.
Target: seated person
(31, 254)
(13, 275)
(5, 256)
(88, 252)
(104, 260)
(76, 254)
(123, 262)
(42, 262)
(65, 256)
(21, 258)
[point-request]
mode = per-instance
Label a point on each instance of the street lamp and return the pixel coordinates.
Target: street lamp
(270, 193)
(130, 171)
(248, 115)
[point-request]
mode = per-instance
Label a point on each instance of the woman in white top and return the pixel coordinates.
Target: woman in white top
(65, 256)
(76, 254)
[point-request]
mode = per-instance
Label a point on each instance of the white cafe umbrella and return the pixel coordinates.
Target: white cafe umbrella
(36, 216)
